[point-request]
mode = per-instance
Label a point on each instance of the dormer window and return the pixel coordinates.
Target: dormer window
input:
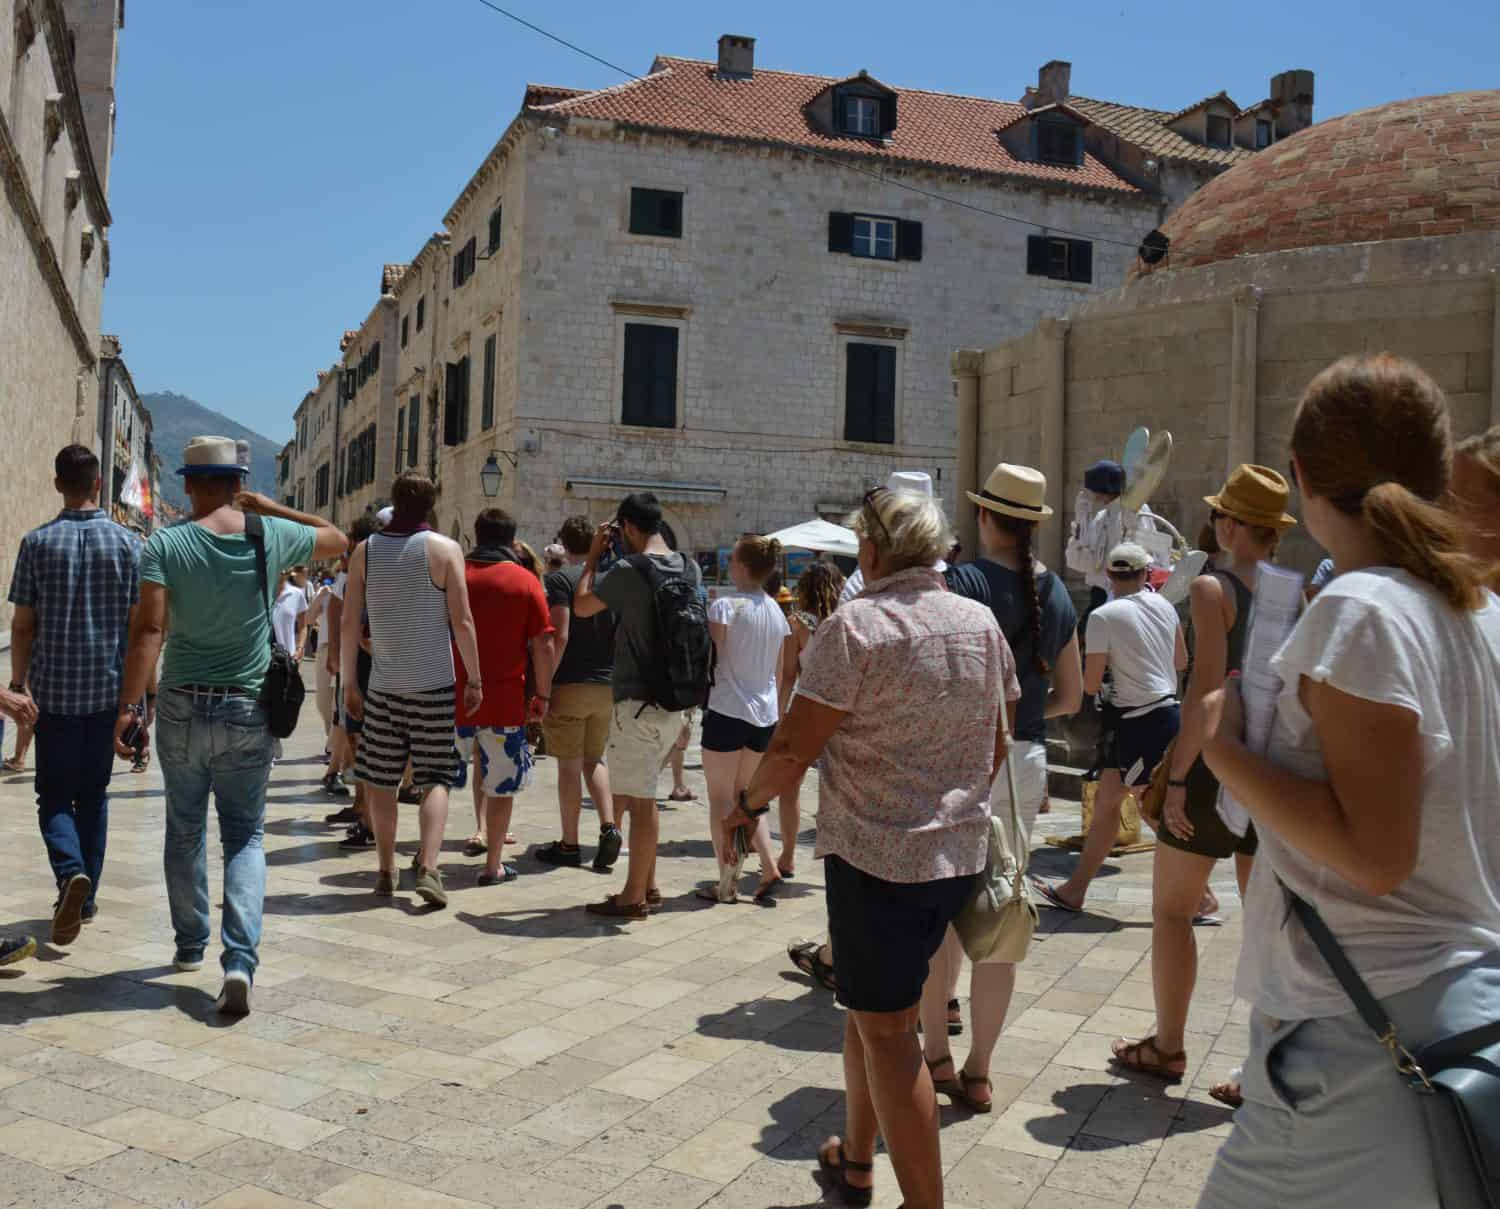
(1265, 133)
(1057, 142)
(862, 116)
(1219, 133)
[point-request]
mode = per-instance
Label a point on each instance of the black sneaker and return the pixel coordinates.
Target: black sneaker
(335, 788)
(359, 838)
(608, 851)
(347, 815)
(556, 853)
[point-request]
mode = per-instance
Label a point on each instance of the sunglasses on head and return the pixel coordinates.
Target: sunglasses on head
(869, 506)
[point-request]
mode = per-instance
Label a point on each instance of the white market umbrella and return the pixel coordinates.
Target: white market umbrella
(820, 535)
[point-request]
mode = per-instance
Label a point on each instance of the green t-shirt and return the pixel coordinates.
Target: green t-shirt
(218, 632)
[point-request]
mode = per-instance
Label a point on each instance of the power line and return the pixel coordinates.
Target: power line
(945, 198)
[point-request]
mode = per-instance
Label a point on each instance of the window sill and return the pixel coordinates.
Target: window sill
(645, 237)
(843, 445)
(618, 428)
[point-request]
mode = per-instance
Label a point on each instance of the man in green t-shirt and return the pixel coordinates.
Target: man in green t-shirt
(210, 731)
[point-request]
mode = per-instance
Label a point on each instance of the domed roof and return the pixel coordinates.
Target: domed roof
(1426, 166)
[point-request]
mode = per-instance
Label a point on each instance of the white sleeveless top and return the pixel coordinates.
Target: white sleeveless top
(410, 638)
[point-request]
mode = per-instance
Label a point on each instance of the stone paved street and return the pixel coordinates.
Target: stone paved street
(509, 1051)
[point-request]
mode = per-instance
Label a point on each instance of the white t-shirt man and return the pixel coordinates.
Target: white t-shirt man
(290, 605)
(749, 659)
(333, 591)
(1139, 633)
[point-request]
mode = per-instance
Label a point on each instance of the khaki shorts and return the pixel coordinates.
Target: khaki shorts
(578, 721)
(641, 738)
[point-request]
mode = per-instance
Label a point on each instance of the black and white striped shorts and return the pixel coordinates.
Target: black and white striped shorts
(398, 726)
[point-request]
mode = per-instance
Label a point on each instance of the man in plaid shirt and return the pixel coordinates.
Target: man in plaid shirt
(76, 583)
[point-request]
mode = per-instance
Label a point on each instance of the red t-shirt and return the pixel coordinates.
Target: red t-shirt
(509, 610)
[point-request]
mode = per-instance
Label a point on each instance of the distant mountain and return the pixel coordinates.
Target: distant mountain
(176, 420)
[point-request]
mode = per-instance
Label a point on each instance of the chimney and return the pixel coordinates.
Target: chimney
(1292, 91)
(736, 57)
(1052, 82)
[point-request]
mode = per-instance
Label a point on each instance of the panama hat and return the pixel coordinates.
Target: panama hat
(1254, 495)
(1014, 491)
(211, 455)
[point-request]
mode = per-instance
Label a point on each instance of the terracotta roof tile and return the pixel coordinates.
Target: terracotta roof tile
(1148, 130)
(944, 130)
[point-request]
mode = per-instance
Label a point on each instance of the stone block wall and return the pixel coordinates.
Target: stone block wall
(1160, 353)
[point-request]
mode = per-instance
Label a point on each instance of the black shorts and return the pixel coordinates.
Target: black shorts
(884, 934)
(364, 664)
(1210, 836)
(1135, 746)
(724, 734)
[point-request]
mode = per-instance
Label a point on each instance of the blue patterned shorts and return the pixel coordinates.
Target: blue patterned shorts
(504, 757)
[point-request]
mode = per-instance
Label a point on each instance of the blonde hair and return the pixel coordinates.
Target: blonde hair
(907, 528)
(761, 556)
(526, 556)
(1484, 450)
(1372, 435)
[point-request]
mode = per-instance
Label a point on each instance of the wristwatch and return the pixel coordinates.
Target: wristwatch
(744, 806)
(1171, 784)
(17, 688)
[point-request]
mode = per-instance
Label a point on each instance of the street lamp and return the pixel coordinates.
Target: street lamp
(491, 474)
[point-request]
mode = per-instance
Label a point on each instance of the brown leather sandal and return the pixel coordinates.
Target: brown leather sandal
(949, 1087)
(1131, 1055)
(978, 1106)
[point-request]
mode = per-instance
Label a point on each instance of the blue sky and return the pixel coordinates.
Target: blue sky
(270, 157)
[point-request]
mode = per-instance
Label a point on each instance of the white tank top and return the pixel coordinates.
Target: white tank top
(410, 638)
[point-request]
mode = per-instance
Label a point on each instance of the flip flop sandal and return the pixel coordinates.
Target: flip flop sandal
(13, 766)
(766, 896)
(955, 1019)
(1130, 1055)
(786, 874)
(476, 847)
(1050, 897)
(685, 795)
(838, 1172)
(1207, 921)
(613, 908)
(1228, 1094)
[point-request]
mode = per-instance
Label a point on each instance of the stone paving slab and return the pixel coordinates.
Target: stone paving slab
(513, 1050)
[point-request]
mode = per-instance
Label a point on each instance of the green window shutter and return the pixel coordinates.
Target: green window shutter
(1080, 260)
(908, 240)
(859, 387)
(840, 232)
(487, 405)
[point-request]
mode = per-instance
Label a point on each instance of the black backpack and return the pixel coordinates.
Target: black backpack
(282, 692)
(681, 666)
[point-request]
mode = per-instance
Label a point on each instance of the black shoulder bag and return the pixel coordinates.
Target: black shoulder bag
(1456, 1080)
(282, 691)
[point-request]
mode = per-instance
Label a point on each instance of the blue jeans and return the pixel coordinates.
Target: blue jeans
(218, 743)
(75, 755)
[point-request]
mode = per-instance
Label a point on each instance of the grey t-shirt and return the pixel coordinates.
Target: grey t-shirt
(629, 597)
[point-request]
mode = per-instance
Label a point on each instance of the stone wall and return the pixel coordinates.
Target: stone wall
(1162, 353)
(53, 256)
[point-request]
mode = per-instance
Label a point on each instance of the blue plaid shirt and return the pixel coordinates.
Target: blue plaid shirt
(81, 573)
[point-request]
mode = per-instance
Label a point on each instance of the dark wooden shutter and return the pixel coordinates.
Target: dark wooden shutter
(400, 438)
(642, 212)
(840, 232)
(1036, 255)
(859, 387)
(637, 384)
(664, 377)
(669, 214)
(413, 429)
(888, 115)
(421, 311)
(908, 240)
(1080, 260)
(450, 410)
(883, 402)
(463, 400)
(494, 230)
(487, 404)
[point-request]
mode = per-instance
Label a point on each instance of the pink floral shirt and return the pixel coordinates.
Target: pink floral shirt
(905, 782)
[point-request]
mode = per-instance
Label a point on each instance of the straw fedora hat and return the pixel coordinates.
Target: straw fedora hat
(1017, 491)
(211, 455)
(1255, 495)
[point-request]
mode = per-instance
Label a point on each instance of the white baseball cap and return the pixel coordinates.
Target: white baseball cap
(385, 516)
(1128, 558)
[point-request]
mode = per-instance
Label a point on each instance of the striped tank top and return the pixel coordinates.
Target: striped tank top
(408, 613)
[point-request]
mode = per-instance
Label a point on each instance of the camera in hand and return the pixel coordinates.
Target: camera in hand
(135, 736)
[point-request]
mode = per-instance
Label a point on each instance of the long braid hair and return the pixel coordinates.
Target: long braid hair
(1024, 532)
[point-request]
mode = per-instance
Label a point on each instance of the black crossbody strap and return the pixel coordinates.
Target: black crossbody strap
(255, 530)
(1370, 1009)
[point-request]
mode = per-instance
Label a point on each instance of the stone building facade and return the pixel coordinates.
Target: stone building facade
(1379, 230)
(736, 288)
(132, 471)
(54, 257)
(309, 459)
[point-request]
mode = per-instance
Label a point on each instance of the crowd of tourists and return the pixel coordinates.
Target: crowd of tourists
(920, 689)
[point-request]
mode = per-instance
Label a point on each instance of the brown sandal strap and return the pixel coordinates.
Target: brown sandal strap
(849, 1164)
(845, 1163)
(1136, 1048)
(969, 1079)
